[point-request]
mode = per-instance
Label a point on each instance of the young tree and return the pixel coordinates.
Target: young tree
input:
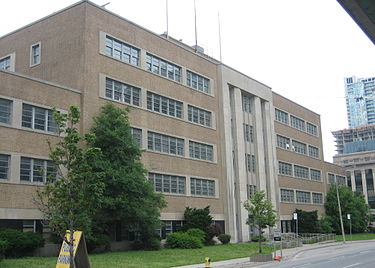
(261, 213)
(352, 203)
(69, 200)
(128, 194)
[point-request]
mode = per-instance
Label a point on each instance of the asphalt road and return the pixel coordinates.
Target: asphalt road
(351, 254)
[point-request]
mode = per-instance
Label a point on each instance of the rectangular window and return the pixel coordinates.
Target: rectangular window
(199, 116)
(331, 178)
(163, 68)
(201, 151)
(341, 180)
(122, 92)
(299, 147)
(250, 162)
(4, 166)
(164, 105)
(311, 129)
(5, 63)
(163, 183)
(246, 103)
(287, 195)
(198, 82)
(301, 172)
(36, 170)
(38, 118)
(165, 144)
(317, 198)
(283, 142)
(35, 54)
(251, 189)
(303, 197)
(315, 175)
(122, 51)
(285, 168)
(313, 151)
(297, 123)
(5, 111)
(281, 116)
(202, 187)
(248, 132)
(137, 135)
(358, 180)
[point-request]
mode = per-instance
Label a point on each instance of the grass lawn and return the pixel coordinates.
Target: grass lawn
(364, 236)
(161, 258)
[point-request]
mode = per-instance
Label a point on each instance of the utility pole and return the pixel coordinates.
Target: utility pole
(341, 222)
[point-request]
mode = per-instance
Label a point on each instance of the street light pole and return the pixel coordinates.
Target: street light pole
(341, 222)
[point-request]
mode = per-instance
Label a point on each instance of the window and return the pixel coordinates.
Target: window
(248, 132)
(137, 135)
(246, 103)
(311, 129)
(301, 172)
(169, 227)
(287, 195)
(313, 152)
(5, 111)
(164, 105)
(121, 51)
(163, 68)
(202, 187)
(285, 168)
(199, 116)
(250, 162)
(198, 82)
(315, 175)
(163, 183)
(299, 147)
(303, 197)
(118, 91)
(283, 142)
(331, 178)
(251, 189)
(4, 166)
(297, 123)
(281, 116)
(35, 54)
(201, 151)
(340, 180)
(165, 144)
(38, 118)
(317, 198)
(36, 170)
(5, 63)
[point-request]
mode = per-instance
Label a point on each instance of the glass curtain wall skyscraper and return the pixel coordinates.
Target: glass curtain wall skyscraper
(360, 101)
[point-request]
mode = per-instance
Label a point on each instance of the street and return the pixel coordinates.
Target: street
(351, 254)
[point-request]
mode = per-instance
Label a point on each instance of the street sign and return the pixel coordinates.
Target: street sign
(295, 216)
(276, 235)
(348, 216)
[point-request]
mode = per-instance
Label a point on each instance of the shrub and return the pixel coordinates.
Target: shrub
(183, 240)
(20, 243)
(212, 231)
(99, 243)
(197, 218)
(3, 245)
(371, 229)
(198, 233)
(224, 238)
(325, 225)
(257, 237)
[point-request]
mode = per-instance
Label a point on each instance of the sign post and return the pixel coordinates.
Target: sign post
(350, 225)
(277, 237)
(295, 217)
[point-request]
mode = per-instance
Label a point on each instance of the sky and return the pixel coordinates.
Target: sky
(302, 49)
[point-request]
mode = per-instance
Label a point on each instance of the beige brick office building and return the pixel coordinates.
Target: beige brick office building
(209, 131)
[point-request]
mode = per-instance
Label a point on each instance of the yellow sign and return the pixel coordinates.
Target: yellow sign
(64, 257)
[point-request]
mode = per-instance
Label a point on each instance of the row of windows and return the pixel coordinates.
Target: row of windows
(299, 171)
(32, 116)
(177, 185)
(292, 196)
(130, 54)
(35, 56)
(31, 169)
(295, 122)
(125, 93)
(332, 178)
(298, 147)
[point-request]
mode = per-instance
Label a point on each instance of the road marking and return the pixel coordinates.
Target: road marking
(355, 264)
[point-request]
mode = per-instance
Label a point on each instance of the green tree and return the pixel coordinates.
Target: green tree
(261, 213)
(197, 218)
(352, 203)
(307, 221)
(70, 200)
(128, 195)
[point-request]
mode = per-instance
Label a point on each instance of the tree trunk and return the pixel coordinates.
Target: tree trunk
(260, 239)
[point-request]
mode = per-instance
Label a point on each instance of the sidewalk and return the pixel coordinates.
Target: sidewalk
(245, 262)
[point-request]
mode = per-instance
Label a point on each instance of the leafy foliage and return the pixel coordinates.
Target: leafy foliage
(224, 238)
(351, 203)
(261, 213)
(183, 240)
(307, 221)
(16, 243)
(325, 225)
(197, 218)
(198, 233)
(128, 196)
